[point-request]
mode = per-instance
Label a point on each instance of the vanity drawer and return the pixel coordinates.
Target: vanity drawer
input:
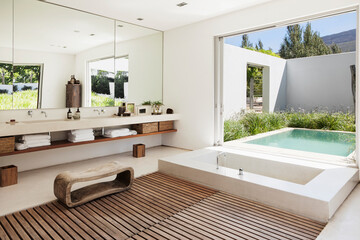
(146, 127)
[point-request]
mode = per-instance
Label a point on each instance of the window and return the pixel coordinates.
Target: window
(20, 85)
(107, 88)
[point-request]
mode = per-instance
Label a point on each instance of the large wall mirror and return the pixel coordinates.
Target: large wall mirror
(42, 45)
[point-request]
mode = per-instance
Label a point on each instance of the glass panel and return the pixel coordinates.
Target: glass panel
(138, 64)
(62, 42)
(6, 57)
(102, 83)
(26, 82)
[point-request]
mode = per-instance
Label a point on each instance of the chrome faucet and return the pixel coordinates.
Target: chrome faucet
(98, 111)
(103, 111)
(219, 157)
(43, 112)
(241, 171)
(30, 113)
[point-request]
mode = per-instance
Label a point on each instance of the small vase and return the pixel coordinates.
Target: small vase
(157, 109)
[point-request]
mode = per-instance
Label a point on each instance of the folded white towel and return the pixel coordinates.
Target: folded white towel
(117, 131)
(80, 137)
(82, 131)
(21, 146)
(82, 140)
(38, 144)
(36, 137)
(113, 135)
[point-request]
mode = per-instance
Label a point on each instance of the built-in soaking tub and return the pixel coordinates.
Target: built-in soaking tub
(310, 189)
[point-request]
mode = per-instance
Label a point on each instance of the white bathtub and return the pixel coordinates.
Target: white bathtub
(310, 189)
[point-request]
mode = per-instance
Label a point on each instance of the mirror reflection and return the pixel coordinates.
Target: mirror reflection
(6, 88)
(67, 58)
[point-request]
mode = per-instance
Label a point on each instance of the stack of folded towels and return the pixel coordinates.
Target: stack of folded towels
(111, 133)
(81, 135)
(30, 141)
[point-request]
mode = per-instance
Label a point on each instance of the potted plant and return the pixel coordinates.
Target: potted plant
(147, 106)
(157, 107)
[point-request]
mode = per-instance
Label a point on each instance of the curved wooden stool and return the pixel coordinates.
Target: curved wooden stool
(64, 181)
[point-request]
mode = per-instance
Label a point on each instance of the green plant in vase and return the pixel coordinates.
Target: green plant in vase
(157, 107)
(147, 103)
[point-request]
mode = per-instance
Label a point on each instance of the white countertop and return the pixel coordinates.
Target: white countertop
(41, 126)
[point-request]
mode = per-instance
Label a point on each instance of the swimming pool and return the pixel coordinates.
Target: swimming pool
(325, 142)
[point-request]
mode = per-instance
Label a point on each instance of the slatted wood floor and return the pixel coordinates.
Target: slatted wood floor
(159, 207)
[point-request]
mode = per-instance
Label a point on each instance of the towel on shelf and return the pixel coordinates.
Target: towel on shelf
(80, 138)
(35, 137)
(38, 144)
(21, 146)
(117, 131)
(82, 131)
(114, 134)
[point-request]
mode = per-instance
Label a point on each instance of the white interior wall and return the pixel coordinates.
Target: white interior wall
(5, 54)
(145, 67)
(236, 60)
(324, 80)
(189, 62)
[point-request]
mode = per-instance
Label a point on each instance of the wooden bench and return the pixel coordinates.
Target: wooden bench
(64, 181)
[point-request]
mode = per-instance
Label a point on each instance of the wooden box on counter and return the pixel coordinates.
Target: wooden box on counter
(146, 127)
(73, 95)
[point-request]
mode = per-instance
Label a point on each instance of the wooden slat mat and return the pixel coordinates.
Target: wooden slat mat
(159, 207)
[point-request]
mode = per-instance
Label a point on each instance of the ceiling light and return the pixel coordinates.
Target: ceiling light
(77, 31)
(182, 4)
(120, 25)
(139, 19)
(93, 34)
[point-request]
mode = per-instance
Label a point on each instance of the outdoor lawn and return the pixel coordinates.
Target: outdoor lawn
(100, 100)
(248, 124)
(19, 100)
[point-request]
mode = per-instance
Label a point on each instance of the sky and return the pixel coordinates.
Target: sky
(272, 38)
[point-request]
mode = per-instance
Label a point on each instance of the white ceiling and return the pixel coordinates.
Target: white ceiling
(159, 14)
(46, 27)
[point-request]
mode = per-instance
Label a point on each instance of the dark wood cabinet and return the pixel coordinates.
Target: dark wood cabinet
(73, 95)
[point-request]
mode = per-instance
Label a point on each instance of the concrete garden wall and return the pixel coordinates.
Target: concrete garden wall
(320, 82)
(236, 60)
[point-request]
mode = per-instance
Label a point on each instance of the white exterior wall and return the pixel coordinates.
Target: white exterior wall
(189, 62)
(324, 80)
(236, 60)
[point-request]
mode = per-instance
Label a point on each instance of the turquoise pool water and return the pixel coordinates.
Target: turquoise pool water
(333, 143)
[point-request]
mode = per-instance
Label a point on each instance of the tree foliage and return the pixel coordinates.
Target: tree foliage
(5, 73)
(299, 42)
(245, 43)
(26, 73)
(100, 83)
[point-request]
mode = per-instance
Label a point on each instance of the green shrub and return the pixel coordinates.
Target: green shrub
(234, 129)
(254, 123)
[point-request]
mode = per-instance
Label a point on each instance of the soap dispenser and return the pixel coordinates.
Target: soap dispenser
(77, 114)
(69, 114)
